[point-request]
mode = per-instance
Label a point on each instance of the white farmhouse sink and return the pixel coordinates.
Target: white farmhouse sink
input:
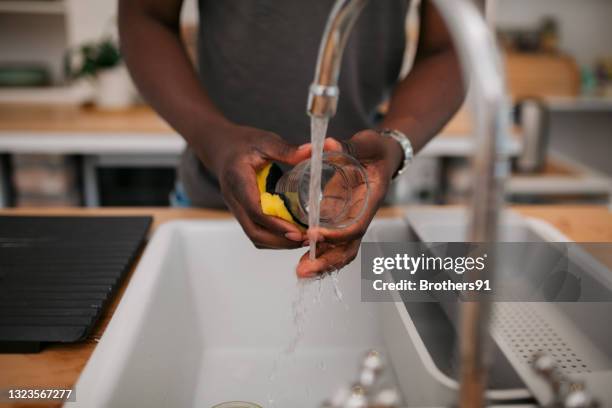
(207, 318)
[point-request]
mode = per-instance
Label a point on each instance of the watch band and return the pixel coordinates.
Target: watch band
(405, 144)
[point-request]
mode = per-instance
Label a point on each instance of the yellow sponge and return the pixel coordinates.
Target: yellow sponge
(272, 203)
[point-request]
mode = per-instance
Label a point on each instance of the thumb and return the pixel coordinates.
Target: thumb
(332, 145)
(364, 145)
(281, 151)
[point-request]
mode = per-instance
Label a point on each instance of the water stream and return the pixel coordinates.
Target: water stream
(310, 295)
(318, 129)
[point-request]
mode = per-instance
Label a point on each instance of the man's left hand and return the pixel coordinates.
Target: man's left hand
(381, 157)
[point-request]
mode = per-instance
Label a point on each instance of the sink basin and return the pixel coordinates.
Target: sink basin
(574, 333)
(207, 318)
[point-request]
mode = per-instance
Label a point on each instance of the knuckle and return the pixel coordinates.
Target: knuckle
(257, 239)
(252, 235)
(256, 149)
(273, 136)
(283, 148)
(256, 215)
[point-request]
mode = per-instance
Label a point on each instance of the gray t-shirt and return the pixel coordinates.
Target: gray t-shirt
(257, 59)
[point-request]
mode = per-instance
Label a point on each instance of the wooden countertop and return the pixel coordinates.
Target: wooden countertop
(58, 366)
(69, 118)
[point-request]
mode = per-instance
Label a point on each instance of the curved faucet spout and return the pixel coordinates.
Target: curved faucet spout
(323, 95)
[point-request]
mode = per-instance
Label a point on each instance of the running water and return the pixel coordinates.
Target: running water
(301, 308)
(318, 129)
(300, 311)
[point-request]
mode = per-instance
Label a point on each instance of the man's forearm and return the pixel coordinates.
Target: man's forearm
(427, 98)
(159, 64)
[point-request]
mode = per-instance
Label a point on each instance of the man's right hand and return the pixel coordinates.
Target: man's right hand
(235, 154)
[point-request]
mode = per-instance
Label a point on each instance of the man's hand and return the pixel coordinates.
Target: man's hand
(235, 154)
(381, 157)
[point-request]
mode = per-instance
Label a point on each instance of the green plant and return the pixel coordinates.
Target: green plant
(91, 58)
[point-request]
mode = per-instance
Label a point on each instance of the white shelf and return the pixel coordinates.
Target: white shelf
(71, 94)
(33, 6)
(92, 143)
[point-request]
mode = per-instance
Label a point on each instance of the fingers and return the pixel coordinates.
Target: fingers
(276, 149)
(260, 237)
(339, 236)
(285, 153)
(329, 258)
(329, 145)
(350, 233)
(332, 145)
(242, 196)
(246, 193)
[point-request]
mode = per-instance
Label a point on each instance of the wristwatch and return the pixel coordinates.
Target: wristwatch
(404, 142)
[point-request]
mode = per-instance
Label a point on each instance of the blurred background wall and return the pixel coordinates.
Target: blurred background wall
(63, 140)
(585, 24)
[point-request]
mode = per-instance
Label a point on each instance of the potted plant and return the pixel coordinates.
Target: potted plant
(101, 62)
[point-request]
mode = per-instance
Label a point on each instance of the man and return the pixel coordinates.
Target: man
(246, 104)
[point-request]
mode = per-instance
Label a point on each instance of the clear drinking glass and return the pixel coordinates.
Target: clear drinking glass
(344, 190)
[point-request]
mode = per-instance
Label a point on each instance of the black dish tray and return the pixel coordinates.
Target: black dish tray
(58, 273)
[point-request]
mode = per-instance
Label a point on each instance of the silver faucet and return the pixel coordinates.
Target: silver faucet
(482, 68)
